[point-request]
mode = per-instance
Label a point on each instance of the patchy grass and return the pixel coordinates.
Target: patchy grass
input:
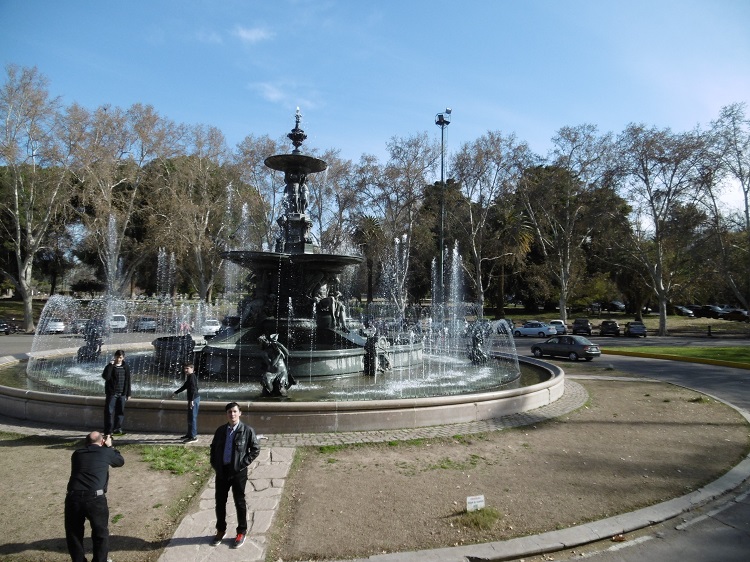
(447, 463)
(481, 519)
(175, 459)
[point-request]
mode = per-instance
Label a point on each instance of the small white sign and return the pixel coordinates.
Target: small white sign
(474, 503)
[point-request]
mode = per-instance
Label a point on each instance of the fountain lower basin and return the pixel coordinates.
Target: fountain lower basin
(273, 417)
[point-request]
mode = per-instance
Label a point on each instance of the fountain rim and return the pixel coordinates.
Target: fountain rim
(257, 256)
(344, 405)
(168, 415)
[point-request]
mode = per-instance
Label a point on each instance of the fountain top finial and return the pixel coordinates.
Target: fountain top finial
(296, 162)
(297, 136)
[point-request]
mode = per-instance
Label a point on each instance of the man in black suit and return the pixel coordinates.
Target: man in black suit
(86, 497)
(233, 448)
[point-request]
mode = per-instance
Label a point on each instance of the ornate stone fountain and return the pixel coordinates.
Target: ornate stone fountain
(295, 294)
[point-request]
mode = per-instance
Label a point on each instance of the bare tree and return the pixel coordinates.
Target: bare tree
(728, 165)
(36, 152)
(190, 214)
(249, 160)
(333, 200)
(488, 172)
(660, 174)
(112, 158)
(394, 192)
(560, 203)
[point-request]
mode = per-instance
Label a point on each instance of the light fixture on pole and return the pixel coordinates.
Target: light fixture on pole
(442, 120)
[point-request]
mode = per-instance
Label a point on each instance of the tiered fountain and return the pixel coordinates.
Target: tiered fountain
(296, 294)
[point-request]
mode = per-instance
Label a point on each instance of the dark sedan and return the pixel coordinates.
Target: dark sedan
(708, 311)
(572, 347)
(737, 315)
(609, 328)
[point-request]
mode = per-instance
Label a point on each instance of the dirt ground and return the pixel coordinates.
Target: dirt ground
(144, 504)
(632, 445)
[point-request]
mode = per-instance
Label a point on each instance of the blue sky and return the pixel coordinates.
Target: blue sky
(365, 71)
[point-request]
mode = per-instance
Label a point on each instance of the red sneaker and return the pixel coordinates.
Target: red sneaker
(239, 540)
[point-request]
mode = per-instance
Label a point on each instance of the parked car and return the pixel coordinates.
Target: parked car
(635, 329)
(617, 306)
(684, 311)
(77, 326)
(145, 324)
(582, 326)
(53, 326)
(609, 328)
(210, 327)
(535, 329)
(738, 315)
(559, 325)
(708, 311)
(118, 323)
(572, 347)
(8, 328)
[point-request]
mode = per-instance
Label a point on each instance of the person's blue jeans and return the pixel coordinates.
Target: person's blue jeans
(192, 417)
(114, 412)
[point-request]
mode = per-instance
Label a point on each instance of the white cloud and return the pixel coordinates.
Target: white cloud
(252, 35)
(209, 37)
(284, 94)
(270, 92)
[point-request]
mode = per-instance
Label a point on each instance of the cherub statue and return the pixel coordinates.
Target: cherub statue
(275, 379)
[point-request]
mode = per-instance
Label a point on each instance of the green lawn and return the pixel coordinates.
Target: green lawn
(10, 309)
(737, 354)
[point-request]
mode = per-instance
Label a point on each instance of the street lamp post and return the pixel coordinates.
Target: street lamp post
(442, 120)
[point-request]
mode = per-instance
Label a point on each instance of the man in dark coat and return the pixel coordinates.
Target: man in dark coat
(86, 496)
(233, 448)
(116, 377)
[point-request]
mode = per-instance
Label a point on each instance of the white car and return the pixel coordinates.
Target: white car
(118, 323)
(210, 327)
(535, 329)
(145, 324)
(54, 326)
(559, 325)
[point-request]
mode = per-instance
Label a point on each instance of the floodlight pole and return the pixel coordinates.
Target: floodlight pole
(442, 120)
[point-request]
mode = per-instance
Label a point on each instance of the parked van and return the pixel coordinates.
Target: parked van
(118, 323)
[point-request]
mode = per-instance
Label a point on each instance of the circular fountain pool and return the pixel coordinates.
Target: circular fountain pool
(395, 400)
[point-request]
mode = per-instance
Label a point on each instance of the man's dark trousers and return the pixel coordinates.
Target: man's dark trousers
(236, 482)
(80, 506)
(114, 412)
